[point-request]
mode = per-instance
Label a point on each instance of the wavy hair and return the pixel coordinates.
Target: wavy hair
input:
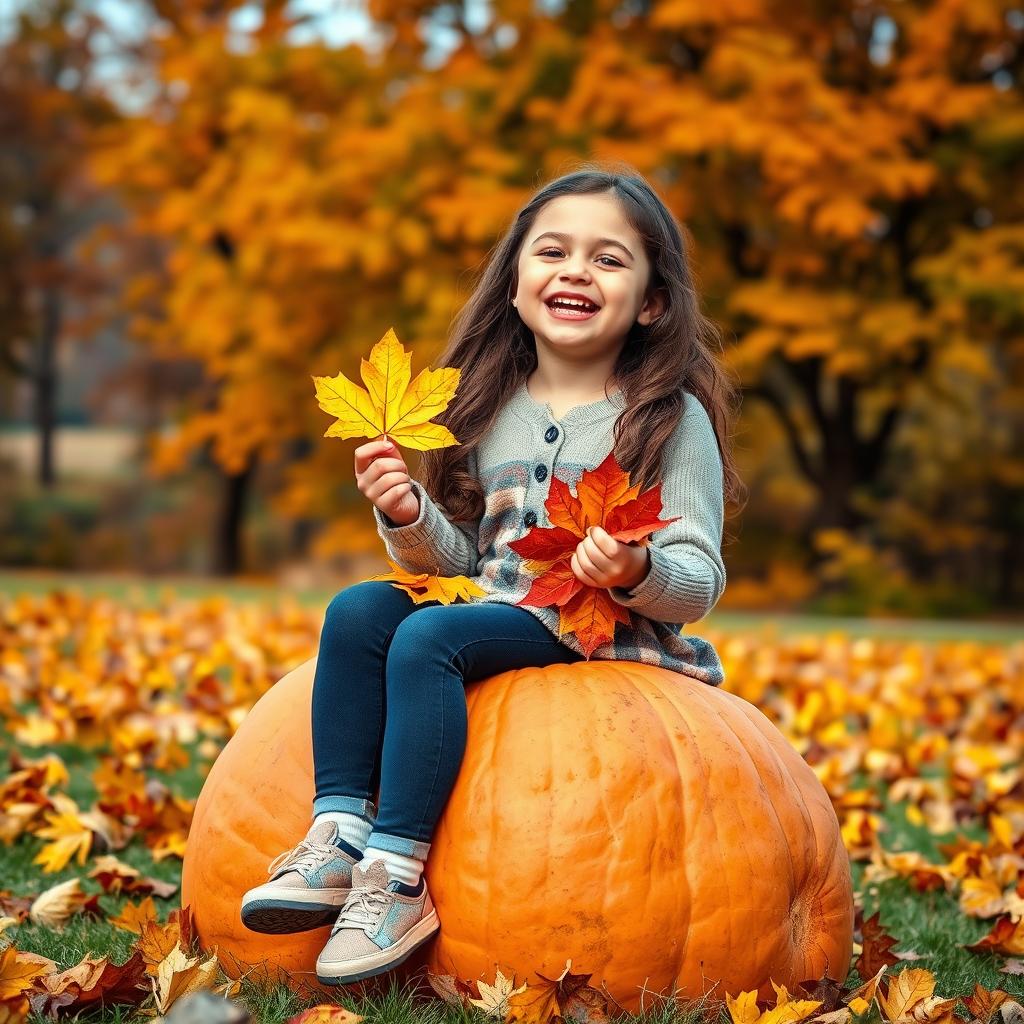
(496, 351)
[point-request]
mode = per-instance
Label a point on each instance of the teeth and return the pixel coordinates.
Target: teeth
(572, 304)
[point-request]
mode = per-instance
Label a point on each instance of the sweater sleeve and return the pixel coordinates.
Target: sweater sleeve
(687, 575)
(432, 543)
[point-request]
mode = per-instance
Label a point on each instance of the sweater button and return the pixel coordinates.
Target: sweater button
(540, 472)
(530, 518)
(550, 434)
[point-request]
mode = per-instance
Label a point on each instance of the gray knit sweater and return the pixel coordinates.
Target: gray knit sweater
(515, 461)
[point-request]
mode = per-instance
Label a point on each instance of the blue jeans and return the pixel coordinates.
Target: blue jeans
(389, 701)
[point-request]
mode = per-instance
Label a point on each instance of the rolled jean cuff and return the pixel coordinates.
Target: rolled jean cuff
(399, 844)
(350, 804)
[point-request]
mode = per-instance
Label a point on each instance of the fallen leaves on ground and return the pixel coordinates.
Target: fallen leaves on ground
(163, 966)
(179, 975)
(117, 877)
(53, 907)
(934, 730)
(906, 997)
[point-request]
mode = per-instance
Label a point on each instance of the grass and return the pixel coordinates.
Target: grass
(930, 923)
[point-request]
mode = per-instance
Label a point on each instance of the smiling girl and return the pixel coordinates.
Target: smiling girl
(583, 336)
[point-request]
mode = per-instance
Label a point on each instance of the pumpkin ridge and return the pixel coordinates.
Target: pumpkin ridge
(803, 778)
(839, 913)
(497, 798)
(794, 888)
(711, 711)
(690, 747)
(499, 730)
(608, 863)
(817, 915)
(801, 877)
(795, 891)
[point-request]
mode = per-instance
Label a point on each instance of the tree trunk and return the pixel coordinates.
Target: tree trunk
(228, 554)
(45, 385)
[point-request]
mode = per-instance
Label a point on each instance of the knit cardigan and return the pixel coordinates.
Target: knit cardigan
(515, 460)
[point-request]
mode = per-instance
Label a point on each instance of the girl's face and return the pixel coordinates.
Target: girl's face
(597, 255)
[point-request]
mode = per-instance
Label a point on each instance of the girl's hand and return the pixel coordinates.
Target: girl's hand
(602, 561)
(382, 475)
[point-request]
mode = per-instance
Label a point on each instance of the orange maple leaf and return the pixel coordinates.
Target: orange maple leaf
(605, 498)
(17, 974)
(421, 586)
(134, 915)
(557, 998)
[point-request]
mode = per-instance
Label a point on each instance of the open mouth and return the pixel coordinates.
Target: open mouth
(565, 311)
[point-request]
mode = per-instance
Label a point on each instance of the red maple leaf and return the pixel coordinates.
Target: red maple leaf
(603, 498)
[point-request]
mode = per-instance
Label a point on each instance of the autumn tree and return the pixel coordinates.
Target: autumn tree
(847, 174)
(50, 102)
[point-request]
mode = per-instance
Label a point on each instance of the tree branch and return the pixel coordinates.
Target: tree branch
(792, 434)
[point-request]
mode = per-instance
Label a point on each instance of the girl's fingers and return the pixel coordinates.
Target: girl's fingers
(367, 453)
(583, 566)
(605, 544)
(596, 558)
(386, 482)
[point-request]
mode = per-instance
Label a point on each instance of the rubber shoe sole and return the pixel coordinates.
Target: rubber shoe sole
(283, 911)
(377, 963)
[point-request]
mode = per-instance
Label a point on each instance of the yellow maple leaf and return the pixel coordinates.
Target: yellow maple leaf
(421, 586)
(180, 975)
(70, 835)
(170, 845)
(906, 990)
(390, 404)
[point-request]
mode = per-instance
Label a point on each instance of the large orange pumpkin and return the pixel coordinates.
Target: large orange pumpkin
(659, 832)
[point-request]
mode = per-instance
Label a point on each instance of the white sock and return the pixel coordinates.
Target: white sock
(405, 869)
(351, 827)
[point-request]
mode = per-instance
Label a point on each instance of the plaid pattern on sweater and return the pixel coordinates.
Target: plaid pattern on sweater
(515, 462)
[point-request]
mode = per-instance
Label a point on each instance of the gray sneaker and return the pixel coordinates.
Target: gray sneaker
(308, 884)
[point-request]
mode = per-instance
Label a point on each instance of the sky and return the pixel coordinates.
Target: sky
(336, 22)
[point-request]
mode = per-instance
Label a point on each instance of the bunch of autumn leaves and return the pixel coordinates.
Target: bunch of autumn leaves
(393, 404)
(165, 962)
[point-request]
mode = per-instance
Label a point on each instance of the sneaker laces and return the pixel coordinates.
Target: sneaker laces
(306, 855)
(363, 906)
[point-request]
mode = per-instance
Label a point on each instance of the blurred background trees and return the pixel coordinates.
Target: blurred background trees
(268, 204)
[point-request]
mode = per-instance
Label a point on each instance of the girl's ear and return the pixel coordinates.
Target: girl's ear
(656, 304)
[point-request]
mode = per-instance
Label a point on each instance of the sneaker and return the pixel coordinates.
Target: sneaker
(382, 921)
(308, 883)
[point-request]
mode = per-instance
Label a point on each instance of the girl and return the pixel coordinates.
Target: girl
(584, 333)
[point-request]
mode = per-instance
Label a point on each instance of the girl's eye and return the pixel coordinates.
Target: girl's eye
(614, 263)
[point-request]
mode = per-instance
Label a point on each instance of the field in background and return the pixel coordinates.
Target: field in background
(147, 590)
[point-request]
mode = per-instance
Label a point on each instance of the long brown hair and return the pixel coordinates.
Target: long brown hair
(496, 351)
